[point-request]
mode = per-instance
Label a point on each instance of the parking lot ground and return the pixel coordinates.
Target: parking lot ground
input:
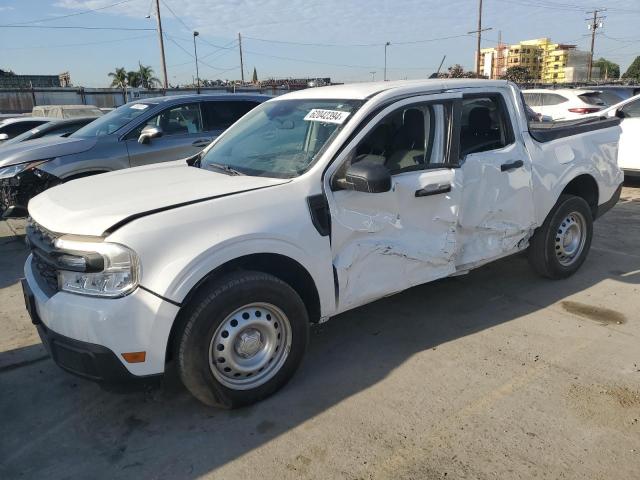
(495, 374)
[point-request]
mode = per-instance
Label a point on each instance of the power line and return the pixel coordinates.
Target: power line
(79, 44)
(83, 12)
(79, 28)
(342, 45)
(192, 56)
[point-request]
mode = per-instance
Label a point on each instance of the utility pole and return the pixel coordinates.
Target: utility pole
(241, 62)
(479, 32)
(162, 61)
(595, 23)
(195, 52)
(385, 60)
(373, 76)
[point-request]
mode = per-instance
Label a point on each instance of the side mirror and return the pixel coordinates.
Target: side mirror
(367, 176)
(3, 137)
(619, 113)
(148, 133)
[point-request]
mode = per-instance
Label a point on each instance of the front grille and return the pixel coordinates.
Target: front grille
(41, 241)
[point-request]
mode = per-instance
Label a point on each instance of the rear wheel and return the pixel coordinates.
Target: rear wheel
(560, 246)
(243, 339)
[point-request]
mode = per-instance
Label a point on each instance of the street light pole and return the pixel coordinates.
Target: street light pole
(385, 60)
(195, 52)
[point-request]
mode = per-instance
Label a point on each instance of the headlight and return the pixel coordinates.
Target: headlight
(97, 268)
(13, 170)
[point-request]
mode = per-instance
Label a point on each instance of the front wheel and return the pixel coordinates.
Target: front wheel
(560, 246)
(243, 339)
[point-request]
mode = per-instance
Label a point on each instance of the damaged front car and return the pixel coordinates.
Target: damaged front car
(19, 183)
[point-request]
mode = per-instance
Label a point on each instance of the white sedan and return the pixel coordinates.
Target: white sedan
(563, 103)
(629, 146)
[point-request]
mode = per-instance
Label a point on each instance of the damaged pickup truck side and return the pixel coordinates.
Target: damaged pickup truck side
(314, 203)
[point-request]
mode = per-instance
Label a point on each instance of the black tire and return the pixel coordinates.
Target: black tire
(206, 312)
(542, 246)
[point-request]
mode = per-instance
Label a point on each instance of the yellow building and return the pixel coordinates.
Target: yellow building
(547, 62)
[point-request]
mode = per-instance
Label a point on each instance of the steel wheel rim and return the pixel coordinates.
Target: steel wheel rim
(570, 239)
(250, 346)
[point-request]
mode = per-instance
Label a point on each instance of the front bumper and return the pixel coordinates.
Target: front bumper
(16, 192)
(88, 335)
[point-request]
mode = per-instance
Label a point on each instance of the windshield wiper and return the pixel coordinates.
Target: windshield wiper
(225, 168)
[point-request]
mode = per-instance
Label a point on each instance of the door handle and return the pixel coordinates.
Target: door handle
(202, 142)
(434, 189)
(505, 167)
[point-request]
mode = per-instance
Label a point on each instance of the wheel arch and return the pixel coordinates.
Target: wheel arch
(585, 187)
(280, 266)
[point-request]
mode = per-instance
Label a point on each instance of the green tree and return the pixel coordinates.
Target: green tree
(633, 72)
(146, 78)
(133, 79)
(119, 77)
(518, 74)
(608, 69)
(255, 75)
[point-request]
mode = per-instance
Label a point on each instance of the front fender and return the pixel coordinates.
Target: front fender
(318, 266)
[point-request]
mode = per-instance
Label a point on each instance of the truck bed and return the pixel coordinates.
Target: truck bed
(546, 132)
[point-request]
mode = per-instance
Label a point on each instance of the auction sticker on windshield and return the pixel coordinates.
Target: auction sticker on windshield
(139, 106)
(326, 116)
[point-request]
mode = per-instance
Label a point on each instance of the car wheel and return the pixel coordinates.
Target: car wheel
(560, 246)
(243, 339)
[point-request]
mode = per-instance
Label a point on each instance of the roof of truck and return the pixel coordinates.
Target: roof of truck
(361, 91)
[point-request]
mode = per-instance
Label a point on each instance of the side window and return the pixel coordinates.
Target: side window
(411, 138)
(551, 99)
(533, 99)
(17, 128)
(221, 115)
(178, 120)
(632, 109)
(484, 125)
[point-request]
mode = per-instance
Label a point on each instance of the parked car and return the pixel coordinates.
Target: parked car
(563, 103)
(53, 128)
(138, 133)
(623, 92)
(314, 203)
(629, 150)
(14, 126)
(67, 111)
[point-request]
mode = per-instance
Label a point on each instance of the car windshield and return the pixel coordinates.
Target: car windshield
(113, 121)
(280, 138)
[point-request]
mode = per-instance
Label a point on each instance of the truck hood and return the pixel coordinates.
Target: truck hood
(43, 148)
(99, 204)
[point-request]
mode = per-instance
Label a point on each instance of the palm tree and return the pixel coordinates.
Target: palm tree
(119, 77)
(147, 79)
(133, 79)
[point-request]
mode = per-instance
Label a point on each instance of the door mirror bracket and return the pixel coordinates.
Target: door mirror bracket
(148, 133)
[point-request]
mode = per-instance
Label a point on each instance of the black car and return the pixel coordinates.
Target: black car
(57, 128)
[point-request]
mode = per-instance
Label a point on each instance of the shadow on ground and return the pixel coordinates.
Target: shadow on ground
(58, 425)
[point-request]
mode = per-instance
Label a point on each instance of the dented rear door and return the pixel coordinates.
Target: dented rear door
(496, 211)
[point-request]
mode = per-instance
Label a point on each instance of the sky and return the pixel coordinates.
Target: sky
(341, 39)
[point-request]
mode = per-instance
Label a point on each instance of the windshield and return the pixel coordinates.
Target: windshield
(280, 138)
(112, 121)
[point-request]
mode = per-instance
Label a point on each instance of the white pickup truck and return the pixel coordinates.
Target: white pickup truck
(314, 203)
